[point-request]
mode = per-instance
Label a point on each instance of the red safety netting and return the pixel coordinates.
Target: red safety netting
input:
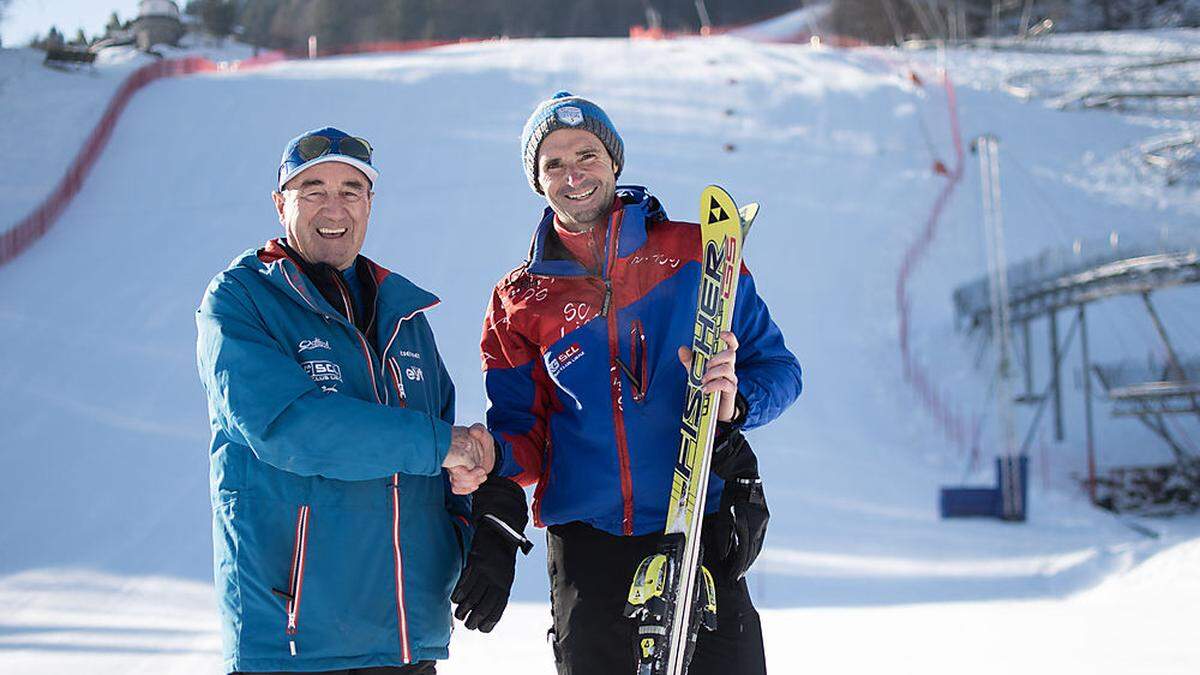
(20, 236)
(939, 403)
(16, 239)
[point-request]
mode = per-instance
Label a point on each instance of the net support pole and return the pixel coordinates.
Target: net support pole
(1087, 402)
(1055, 378)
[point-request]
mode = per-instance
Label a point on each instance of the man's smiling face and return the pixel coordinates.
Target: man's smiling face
(324, 210)
(577, 176)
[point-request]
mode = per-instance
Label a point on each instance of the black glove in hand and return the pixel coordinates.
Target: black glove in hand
(739, 527)
(500, 517)
(742, 527)
(732, 457)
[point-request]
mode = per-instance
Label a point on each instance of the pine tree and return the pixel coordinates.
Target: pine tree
(219, 16)
(255, 20)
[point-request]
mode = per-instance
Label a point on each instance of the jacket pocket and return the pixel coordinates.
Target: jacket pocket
(459, 525)
(636, 369)
(295, 590)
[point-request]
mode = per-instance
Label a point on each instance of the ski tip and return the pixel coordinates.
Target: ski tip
(717, 190)
(748, 213)
(716, 206)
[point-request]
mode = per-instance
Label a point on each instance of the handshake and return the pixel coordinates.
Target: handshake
(471, 457)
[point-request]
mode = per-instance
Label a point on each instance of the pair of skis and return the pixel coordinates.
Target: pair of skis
(673, 596)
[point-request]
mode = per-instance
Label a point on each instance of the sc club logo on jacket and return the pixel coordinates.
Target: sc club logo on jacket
(556, 364)
(323, 371)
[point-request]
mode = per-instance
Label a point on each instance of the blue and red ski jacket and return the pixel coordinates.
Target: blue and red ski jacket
(584, 385)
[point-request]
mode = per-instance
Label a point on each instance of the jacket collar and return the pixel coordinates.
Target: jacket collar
(397, 297)
(634, 212)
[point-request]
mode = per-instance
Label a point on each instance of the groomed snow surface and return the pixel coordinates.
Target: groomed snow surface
(106, 564)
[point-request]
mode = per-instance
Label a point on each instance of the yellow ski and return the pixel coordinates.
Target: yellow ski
(672, 596)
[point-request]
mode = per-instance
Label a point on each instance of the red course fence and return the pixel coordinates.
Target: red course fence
(21, 236)
(937, 402)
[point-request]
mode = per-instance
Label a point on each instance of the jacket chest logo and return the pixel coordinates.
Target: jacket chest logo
(567, 357)
(323, 371)
(314, 343)
(412, 371)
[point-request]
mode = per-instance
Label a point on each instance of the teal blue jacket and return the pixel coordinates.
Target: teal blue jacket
(336, 538)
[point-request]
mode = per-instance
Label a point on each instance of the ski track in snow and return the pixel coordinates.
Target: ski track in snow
(107, 558)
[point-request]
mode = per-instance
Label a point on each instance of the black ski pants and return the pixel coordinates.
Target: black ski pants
(590, 573)
(418, 668)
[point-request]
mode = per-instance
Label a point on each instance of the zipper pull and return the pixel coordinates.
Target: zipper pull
(607, 298)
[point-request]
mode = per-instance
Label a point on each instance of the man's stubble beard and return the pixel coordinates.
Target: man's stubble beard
(600, 214)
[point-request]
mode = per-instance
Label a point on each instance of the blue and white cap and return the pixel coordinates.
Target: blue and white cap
(564, 110)
(325, 145)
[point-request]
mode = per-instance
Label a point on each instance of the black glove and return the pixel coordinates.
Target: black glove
(736, 533)
(498, 510)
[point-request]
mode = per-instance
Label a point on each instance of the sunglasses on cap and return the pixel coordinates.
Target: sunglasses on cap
(312, 147)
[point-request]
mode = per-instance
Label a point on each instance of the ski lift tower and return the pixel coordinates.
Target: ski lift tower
(1007, 500)
(1012, 493)
(1059, 280)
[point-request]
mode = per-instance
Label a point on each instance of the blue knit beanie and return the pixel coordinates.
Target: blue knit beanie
(564, 110)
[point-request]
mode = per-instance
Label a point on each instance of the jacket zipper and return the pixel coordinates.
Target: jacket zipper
(598, 270)
(368, 353)
(390, 363)
(614, 362)
(296, 576)
(398, 553)
(346, 304)
(398, 382)
(614, 351)
(536, 507)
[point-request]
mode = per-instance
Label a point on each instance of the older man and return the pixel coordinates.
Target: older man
(586, 373)
(338, 530)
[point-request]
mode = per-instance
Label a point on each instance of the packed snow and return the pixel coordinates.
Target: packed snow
(107, 554)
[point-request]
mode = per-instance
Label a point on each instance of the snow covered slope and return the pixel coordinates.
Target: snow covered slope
(106, 536)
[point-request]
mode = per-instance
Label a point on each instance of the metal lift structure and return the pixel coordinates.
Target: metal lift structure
(1059, 282)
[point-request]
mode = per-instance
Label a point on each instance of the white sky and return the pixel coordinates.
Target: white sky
(27, 18)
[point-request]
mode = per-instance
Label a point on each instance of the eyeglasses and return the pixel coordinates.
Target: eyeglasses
(312, 147)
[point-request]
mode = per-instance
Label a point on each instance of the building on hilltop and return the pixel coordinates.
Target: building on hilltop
(158, 22)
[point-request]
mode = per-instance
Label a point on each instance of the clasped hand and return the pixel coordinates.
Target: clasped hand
(471, 457)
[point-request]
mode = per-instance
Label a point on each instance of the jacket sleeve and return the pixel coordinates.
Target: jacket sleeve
(260, 396)
(518, 396)
(768, 374)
